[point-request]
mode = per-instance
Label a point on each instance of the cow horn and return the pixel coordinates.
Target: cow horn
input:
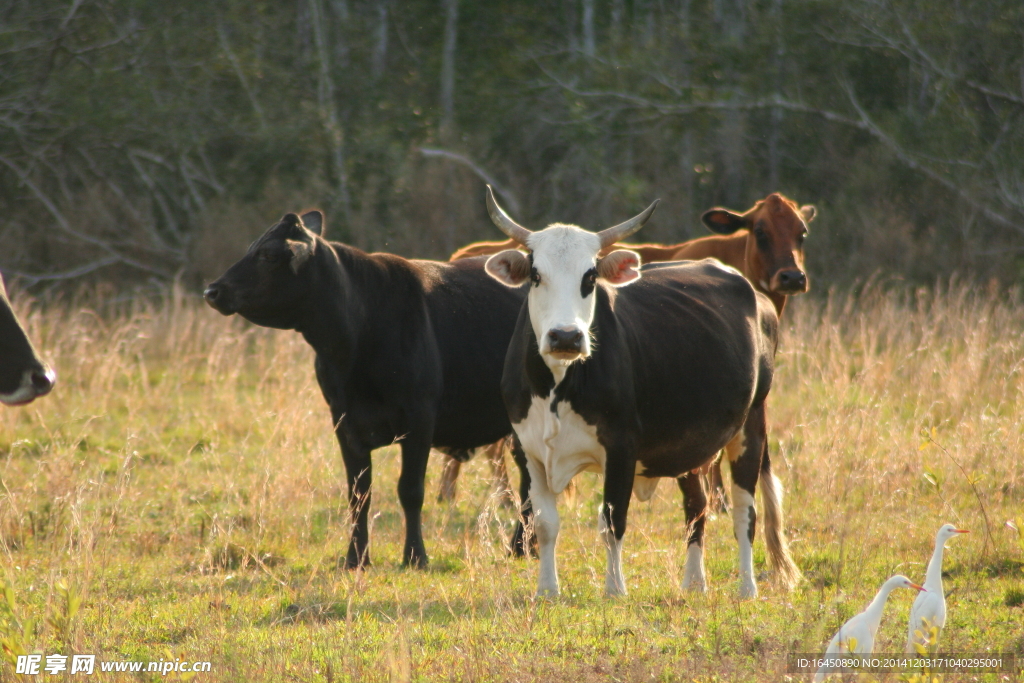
(612, 235)
(504, 223)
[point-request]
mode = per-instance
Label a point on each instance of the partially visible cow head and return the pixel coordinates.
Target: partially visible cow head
(23, 376)
(563, 269)
(268, 285)
(775, 248)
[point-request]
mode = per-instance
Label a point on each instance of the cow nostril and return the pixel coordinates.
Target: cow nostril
(565, 340)
(211, 293)
(792, 277)
(42, 381)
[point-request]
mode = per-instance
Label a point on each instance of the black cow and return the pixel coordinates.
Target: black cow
(637, 382)
(406, 351)
(23, 376)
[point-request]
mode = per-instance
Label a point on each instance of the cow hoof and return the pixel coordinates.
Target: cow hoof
(352, 564)
(614, 591)
(694, 583)
(748, 591)
(416, 560)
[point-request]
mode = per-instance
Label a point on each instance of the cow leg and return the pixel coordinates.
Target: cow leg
(695, 504)
(546, 525)
(520, 545)
(415, 451)
(359, 472)
(618, 488)
(746, 466)
(449, 479)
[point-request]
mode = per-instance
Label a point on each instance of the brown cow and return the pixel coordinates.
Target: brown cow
(765, 244)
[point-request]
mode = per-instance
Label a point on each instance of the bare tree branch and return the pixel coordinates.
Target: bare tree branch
(910, 161)
(65, 225)
(862, 122)
(31, 279)
(505, 193)
(240, 73)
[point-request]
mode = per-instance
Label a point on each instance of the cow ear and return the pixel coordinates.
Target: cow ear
(314, 221)
(722, 221)
(619, 267)
(808, 212)
(510, 267)
(301, 251)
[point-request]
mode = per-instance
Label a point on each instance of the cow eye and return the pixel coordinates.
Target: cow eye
(588, 283)
(534, 277)
(269, 255)
(800, 239)
(760, 235)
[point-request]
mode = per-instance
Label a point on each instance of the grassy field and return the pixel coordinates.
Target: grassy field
(183, 489)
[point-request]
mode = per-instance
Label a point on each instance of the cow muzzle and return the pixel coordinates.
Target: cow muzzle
(790, 282)
(565, 343)
(218, 297)
(35, 383)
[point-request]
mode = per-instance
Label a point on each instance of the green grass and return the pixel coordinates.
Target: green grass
(184, 481)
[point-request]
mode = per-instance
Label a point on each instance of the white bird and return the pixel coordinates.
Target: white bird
(931, 605)
(857, 635)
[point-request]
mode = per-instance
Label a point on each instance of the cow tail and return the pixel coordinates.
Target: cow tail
(774, 533)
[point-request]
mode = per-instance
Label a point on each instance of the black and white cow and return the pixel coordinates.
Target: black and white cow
(406, 351)
(637, 382)
(23, 376)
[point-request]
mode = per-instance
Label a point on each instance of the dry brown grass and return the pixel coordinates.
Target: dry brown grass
(183, 476)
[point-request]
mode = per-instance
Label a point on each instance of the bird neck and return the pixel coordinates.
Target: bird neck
(873, 614)
(933, 577)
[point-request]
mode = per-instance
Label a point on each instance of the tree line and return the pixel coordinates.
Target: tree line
(144, 140)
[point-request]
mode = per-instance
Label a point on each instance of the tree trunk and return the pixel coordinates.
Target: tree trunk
(447, 127)
(686, 162)
(731, 16)
(589, 43)
(641, 24)
(775, 131)
(329, 108)
(571, 21)
(618, 10)
(733, 151)
(380, 48)
(225, 45)
(447, 132)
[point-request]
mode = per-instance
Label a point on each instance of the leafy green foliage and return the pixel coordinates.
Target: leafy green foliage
(157, 136)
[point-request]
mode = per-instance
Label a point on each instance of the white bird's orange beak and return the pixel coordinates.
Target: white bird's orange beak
(920, 588)
(962, 531)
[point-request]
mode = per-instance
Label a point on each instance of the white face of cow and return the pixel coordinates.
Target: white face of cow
(563, 270)
(563, 277)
